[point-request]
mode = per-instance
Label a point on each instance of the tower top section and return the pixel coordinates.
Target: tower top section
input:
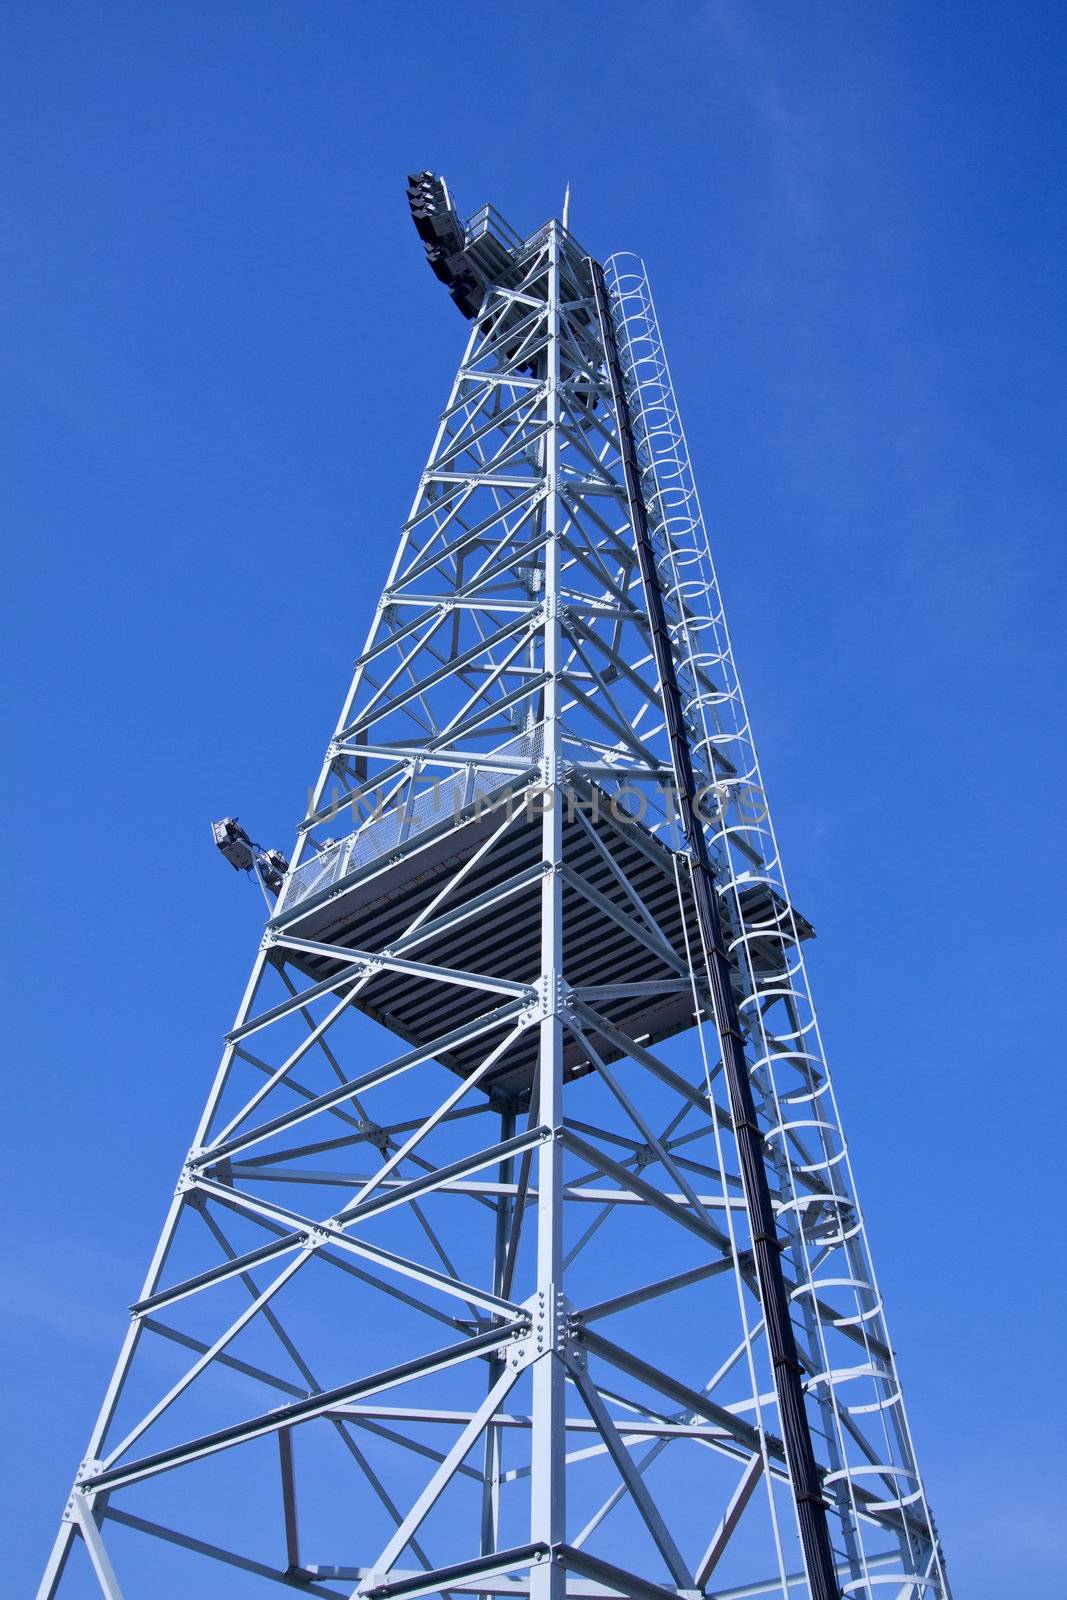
(468, 255)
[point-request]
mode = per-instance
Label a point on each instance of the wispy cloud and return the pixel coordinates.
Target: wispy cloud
(787, 131)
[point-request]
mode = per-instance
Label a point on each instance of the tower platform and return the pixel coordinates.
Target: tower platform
(626, 911)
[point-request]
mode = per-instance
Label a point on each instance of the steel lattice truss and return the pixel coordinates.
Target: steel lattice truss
(459, 1291)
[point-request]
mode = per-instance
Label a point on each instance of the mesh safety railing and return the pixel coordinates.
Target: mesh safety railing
(429, 802)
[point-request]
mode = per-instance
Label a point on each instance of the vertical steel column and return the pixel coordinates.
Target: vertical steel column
(497, 1364)
(548, 1438)
(766, 1246)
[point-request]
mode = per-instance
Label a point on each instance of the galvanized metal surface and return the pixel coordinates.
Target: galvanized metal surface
(482, 1314)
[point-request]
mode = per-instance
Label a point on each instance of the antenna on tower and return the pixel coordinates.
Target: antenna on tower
(567, 206)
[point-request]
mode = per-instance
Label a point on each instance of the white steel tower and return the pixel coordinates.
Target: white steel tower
(517, 1250)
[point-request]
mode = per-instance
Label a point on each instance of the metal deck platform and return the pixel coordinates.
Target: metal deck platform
(624, 905)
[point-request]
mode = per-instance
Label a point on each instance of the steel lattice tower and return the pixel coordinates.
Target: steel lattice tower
(517, 1250)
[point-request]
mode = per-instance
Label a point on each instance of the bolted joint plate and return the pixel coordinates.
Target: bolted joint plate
(550, 997)
(553, 1329)
(187, 1177)
(83, 1483)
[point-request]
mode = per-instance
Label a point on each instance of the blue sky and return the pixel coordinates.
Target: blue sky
(221, 356)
